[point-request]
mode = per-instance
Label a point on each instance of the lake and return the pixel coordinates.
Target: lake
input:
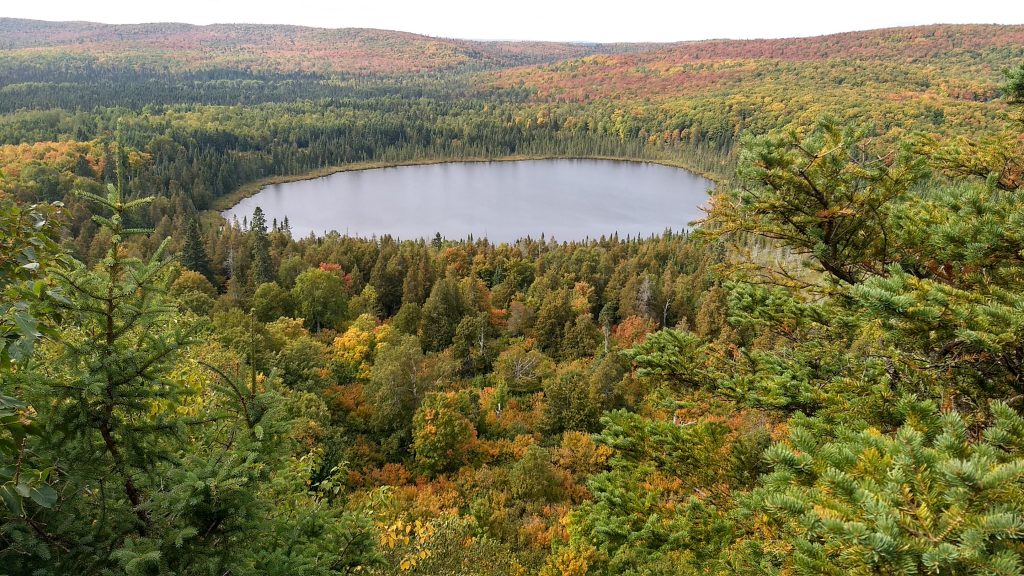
(502, 201)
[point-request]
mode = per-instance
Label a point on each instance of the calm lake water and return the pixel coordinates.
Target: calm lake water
(503, 201)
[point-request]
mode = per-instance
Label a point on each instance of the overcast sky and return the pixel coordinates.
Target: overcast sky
(594, 20)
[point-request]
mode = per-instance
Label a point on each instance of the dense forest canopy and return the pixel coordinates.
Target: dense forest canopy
(825, 378)
(284, 50)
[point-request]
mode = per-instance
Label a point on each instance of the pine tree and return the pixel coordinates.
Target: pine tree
(929, 499)
(824, 194)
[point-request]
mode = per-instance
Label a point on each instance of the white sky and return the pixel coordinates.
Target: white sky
(594, 20)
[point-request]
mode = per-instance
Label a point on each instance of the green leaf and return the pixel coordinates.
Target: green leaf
(27, 325)
(44, 495)
(23, 490)
(12, 500)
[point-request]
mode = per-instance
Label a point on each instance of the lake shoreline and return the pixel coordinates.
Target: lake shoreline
(228, 201)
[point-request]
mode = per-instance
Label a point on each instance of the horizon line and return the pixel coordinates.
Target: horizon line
(514, 40)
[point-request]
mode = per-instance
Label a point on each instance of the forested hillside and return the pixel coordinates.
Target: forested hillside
(939, 78)
(78, 48)
(824, 377)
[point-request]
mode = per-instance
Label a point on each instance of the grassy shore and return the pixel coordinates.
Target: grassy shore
(250, 189)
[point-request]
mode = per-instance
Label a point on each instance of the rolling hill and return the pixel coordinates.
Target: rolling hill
(269, 48)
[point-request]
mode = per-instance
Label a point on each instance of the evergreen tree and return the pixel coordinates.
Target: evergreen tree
(931, 498)
(581, 338)
(193, 251)
(442, 313)
(262, 266)
(554, 317)
(472, 344)
(387, 277)
(408, 319)
(155, 476)
(117, 364)
(823, 194)
(110, 393)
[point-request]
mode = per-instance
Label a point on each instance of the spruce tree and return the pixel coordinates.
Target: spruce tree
(193, 252)
(262, 267)
(116, 361)
(154, 477)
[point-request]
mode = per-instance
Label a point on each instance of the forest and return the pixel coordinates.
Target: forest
(824, 376)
